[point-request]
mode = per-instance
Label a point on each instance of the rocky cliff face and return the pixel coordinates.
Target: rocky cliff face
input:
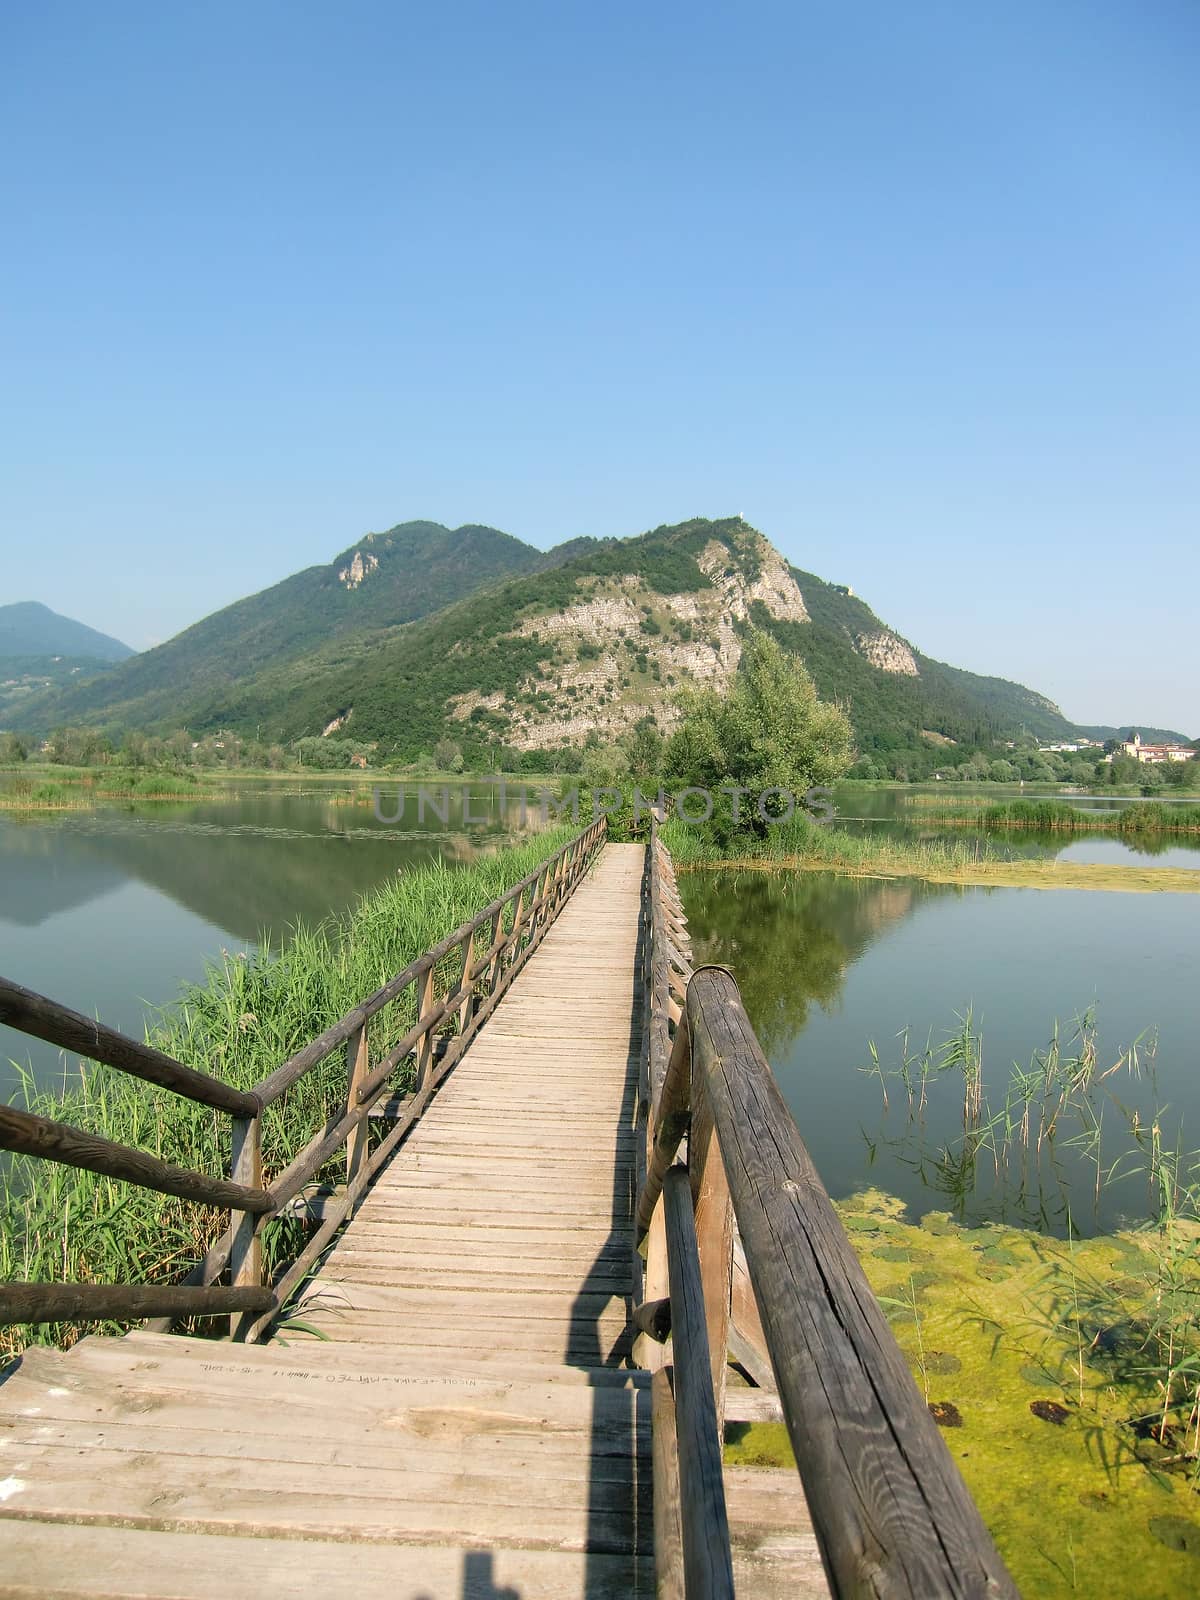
(888, 652)
(353, 574)
(622, 650)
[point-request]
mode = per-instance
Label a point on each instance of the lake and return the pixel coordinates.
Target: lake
(110, 910)
(828, 965)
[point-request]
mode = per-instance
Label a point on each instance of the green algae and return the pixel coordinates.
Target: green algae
(1003, 1321)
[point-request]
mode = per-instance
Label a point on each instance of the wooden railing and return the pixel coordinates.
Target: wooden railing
(454, 988)
(721, 1153)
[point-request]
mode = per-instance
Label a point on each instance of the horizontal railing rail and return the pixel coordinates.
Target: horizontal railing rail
(34, 1014)
(890, 1511)
(473, 967)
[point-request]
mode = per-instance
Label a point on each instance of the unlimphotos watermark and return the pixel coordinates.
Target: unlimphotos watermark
(693, 806)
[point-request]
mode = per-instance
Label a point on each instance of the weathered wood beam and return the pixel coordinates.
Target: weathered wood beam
(668, 1527)
(891, 1513)
(45, 1019)
(72, 1147)
(99, 1302)
(707, 1563)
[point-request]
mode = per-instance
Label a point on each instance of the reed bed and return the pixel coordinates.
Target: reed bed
(80, 789)
(1044, 1142)
(1056, 816)
(805, 844)
(248, 1015)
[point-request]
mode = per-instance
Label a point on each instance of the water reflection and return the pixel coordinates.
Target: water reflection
(827, 965)
(109, 910)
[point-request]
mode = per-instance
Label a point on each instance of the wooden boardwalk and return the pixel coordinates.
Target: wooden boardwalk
(467, 1416)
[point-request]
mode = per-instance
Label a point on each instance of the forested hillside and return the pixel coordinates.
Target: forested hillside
(385, 580)
(423, 634)
(31, 631)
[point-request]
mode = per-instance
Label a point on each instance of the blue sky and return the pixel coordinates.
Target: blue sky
(914, 288)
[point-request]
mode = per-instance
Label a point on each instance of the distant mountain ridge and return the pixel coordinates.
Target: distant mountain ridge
(382, 581)
(423, 632)
(28, 629)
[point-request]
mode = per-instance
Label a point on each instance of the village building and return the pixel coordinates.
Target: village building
(1156, 752)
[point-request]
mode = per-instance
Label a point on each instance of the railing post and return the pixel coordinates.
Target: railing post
(714, 1236)
(425, 1042)
(496, 946)
(245, 1255)
(357, 1068)
(465, 984)
(707, 1561)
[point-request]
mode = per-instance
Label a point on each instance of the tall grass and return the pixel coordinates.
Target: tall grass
(248, 1015)
(801, 842)
(1055, 816)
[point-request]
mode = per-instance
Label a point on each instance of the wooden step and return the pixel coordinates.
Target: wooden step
(113, 1563)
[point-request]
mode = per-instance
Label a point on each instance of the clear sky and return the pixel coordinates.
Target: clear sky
(914, 287)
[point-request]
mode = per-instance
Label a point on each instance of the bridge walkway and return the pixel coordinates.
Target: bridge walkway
(451, 1395)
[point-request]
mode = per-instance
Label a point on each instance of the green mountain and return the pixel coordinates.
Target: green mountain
(385, 580)
(421, 633)
(30, 630)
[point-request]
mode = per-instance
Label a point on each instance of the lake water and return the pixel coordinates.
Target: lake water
(827, 965)
(109, 911)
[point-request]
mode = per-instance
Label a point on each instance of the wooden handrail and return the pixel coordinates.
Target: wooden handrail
(98, 1302)
(34, 1014)
(890, 1510)
(477, 988)
(31, 1135)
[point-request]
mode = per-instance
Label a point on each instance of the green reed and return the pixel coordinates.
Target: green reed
(248, 1015)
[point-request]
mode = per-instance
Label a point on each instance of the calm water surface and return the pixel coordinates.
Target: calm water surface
(111, 910)
(827, 965)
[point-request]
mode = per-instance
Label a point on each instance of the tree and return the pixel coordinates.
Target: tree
(645, 749)
(771, 732)
(447, 756)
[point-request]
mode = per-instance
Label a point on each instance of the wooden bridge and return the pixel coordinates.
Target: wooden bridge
(578, 1234)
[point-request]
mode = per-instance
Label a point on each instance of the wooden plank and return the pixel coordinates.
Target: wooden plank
(544, 1458)
(165, 1493)
(54, 1561)
(327, 1374)
(884, 1490)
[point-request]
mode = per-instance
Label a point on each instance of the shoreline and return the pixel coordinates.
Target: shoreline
(981, 874)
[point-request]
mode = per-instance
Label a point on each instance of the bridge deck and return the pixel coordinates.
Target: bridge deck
(464, 1418)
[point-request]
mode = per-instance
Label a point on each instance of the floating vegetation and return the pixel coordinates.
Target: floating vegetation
(1051, 1385)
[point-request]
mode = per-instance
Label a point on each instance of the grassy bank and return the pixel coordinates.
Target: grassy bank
(79, 789)
(872, 855)
(58, 1223)
(837, 849)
